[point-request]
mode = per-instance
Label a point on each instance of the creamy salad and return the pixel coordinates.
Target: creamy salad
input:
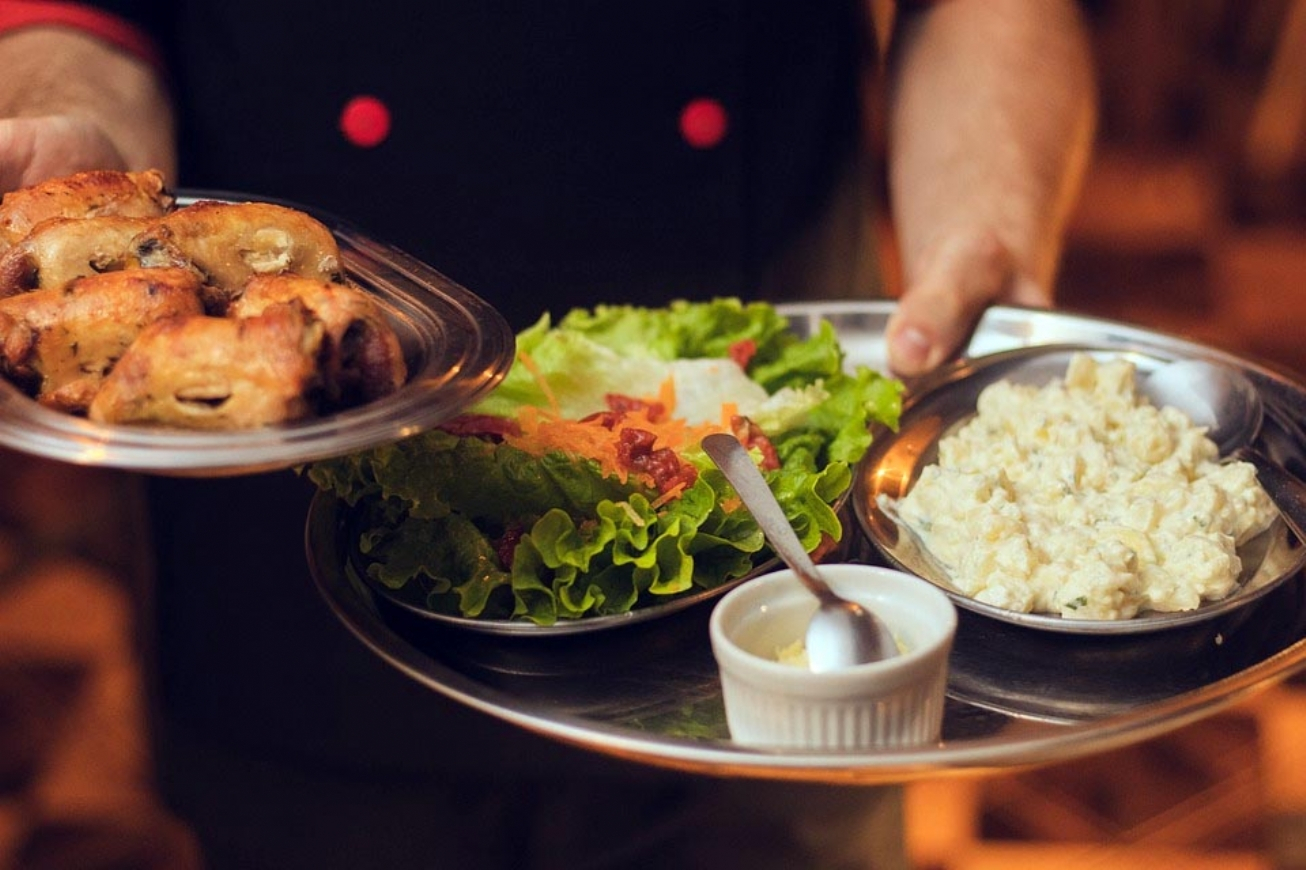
(1082, 499)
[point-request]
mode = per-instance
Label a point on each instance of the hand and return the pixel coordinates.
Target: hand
(38, 148)
(954, 281)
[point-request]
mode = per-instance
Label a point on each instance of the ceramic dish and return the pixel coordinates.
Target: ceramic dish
(945, 401)
(891, 703)
(456, 346)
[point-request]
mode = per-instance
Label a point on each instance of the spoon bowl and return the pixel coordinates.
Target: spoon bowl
(1226, 402)
(1212, 395)
(842, 633)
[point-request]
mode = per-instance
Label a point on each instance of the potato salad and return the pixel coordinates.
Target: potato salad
(1082, 499)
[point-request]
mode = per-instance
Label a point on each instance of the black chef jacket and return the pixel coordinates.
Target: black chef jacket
(543, 155)
(535, 151)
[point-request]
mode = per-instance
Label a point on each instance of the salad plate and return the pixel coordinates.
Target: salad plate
(576, 496)
(455, 345)
(942, 403)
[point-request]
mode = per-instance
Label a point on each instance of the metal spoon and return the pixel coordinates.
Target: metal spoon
(1228, 404)
(842, 633)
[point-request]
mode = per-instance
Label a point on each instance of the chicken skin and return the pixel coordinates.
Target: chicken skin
(217, 372)
(229, 243)
(84, 195)
(59, 343)
(62, 249)
(361, 358)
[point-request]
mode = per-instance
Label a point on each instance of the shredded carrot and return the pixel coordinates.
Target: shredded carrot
(529, 364)
(544, 431)
(667, 395)
(671, 494)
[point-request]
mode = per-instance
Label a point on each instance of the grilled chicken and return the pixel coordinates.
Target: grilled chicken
(229, 243)
(214, 316)
(59, 343)
(61, 249)
(86, 194)
(361, 358)
(217, 372)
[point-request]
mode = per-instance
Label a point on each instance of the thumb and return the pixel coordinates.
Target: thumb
(33, 149)
(956, 280)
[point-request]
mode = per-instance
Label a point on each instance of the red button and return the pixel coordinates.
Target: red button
(704, 122)
(365, 121)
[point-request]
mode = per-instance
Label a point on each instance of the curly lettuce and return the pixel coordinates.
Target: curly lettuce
(483, 529)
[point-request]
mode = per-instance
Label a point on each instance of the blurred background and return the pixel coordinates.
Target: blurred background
(1193, 217)
(1193, 222)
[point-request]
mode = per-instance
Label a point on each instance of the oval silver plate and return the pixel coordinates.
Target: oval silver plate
(456, 345)
(942, 402)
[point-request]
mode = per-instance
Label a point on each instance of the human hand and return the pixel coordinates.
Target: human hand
(953, 282)
(34, 149)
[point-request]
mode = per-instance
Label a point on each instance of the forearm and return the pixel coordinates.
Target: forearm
(992, 112)
(55, 71)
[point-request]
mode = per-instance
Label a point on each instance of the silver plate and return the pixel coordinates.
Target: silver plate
(330, 548)
(457, 348)
(945, 401)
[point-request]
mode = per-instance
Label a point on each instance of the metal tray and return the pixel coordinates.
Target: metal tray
(457, 348)
(1016, 696)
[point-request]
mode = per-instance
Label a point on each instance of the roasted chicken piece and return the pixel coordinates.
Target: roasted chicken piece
(361, 358)
(229, 243)
(59, 343)
(214, 316)
(86, 194)
(59, 250)
(217, 372)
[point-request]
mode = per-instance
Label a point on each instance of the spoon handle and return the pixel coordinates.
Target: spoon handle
(738, 467)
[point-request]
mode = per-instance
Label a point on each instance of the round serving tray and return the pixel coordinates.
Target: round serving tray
(456, 345)
(1016, 696)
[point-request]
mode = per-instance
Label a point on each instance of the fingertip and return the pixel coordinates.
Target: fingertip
(910, 349)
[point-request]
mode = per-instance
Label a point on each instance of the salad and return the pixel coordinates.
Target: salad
(579, 488)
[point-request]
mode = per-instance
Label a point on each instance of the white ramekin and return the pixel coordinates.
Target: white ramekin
(893, 703)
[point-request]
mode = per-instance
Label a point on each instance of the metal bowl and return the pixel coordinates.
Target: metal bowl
(948, 399)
